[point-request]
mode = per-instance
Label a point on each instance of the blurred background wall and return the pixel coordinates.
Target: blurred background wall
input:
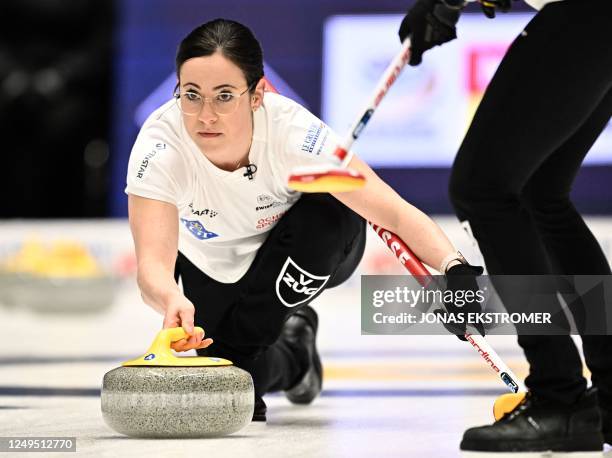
(78, 78)
(56, 77)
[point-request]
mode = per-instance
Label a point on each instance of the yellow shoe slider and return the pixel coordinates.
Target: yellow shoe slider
(506, 404)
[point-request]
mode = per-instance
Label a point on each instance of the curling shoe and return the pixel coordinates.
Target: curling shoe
(300, 331)
(539, 425)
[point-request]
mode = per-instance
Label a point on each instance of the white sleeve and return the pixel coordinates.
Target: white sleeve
(156, 169)
(306, 140)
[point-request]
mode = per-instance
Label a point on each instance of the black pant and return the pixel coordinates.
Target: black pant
(548, 102)
(323, 238)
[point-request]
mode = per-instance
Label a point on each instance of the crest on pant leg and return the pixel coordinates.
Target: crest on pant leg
(295, 286)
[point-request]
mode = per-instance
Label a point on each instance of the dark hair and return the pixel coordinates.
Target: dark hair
(235, 41)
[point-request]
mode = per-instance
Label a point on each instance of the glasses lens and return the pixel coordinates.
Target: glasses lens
(190, 103)
(225, 103)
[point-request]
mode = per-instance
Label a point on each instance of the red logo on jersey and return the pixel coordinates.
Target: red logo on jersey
(268, 220)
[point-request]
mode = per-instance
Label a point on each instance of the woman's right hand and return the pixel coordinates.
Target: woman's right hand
(181, 312)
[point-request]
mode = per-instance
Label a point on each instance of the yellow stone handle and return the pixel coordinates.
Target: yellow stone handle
(159, 353)
(165, 337)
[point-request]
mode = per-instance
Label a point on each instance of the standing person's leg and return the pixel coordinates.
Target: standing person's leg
(571, 249)
(526, 114)
(571, 246)
(317, 244)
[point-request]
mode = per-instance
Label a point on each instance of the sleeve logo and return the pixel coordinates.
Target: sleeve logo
(145, 162)
(313, 135)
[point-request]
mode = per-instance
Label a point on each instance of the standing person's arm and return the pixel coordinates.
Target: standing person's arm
(154, 226)
(432, 23)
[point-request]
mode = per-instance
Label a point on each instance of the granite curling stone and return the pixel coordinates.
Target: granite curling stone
(161, 395)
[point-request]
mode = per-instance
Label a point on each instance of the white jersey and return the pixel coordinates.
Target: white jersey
(536, 4)
(539, 4)
(225, 216)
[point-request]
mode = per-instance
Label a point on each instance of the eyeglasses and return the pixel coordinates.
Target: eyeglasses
(224, 103)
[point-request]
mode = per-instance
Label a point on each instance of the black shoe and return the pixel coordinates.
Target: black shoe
(539, 425)
(606, 424)
(259, 413)
(300, 330)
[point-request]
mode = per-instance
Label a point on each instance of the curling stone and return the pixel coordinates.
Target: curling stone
(506, 404)
(65, 295)
(7, 286)
(161, 395)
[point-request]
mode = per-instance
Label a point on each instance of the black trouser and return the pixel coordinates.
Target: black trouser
(322, 237)
(546, 105)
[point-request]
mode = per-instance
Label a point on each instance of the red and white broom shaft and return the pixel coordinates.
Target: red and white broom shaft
(410, 261)
(384, 84)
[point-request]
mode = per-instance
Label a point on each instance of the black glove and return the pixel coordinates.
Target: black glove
(462, 277)
(489, 7)
(429, 23)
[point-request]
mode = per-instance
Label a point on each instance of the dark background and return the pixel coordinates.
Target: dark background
(73, 72)
(56, 74)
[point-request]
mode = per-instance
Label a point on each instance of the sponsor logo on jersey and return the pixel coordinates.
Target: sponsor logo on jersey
(268, 220)
(265, 201)
(317, 133)
(145, 162)
(198, 230)
(312, 135)
(149, 357)
(272, 205)
(295, 285)
(204, 212)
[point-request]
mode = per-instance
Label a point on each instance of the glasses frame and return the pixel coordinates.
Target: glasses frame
(178, 94)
